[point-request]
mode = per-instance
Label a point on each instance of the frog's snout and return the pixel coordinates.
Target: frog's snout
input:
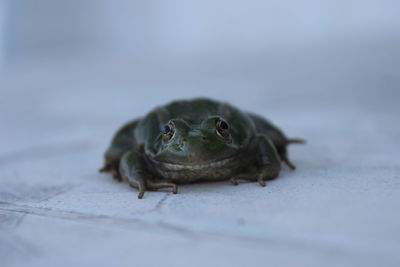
(194, 147)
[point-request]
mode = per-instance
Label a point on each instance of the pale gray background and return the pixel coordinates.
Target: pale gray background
(71, 72)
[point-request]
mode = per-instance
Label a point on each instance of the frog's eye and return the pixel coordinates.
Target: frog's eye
(222, 128)
(167, 131)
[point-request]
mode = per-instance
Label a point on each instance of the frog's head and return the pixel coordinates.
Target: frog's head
(210, 140)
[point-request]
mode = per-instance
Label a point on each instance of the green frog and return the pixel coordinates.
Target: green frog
(196, 140)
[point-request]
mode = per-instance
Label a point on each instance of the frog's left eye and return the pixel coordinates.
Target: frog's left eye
(168, 131)
(222, 128)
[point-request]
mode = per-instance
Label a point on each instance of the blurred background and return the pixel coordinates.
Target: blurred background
(84, 67)
(108, 61)
(196, 30)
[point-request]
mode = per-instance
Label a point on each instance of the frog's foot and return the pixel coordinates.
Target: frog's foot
(151, 186)
(130, 170)
(106, 168)
(296, 141)
(259, 179)
(287, 161)
(139, 185)
(154, 186)
(113, 170)
(117, 177)
(284, 156)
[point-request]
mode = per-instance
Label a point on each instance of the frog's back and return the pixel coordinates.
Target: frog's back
(196, 110)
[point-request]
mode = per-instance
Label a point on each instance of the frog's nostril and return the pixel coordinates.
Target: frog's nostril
(183, 144)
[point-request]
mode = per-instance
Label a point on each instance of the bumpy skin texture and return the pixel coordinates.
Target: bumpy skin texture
(196, 140)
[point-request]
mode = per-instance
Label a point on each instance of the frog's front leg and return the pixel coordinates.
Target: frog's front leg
(133, 170)
(267, 164)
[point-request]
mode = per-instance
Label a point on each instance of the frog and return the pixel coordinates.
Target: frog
(196, 140)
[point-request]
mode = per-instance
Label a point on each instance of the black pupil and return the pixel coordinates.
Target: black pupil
(166, 129)
(223, 125)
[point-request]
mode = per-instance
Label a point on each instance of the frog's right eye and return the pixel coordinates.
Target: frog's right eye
(168, 132)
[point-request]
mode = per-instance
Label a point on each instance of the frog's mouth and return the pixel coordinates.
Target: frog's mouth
(194, 166)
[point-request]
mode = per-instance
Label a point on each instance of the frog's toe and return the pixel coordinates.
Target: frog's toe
(142, 189)
(261, 181)
(158, 185)
(234, 181)
(288, 163)
(105, 168)
(283, 153)
(251, 178)
(114, 172)
(116, 175)
(138, 184)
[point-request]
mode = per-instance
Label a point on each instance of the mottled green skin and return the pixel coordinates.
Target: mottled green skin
(140, 155)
